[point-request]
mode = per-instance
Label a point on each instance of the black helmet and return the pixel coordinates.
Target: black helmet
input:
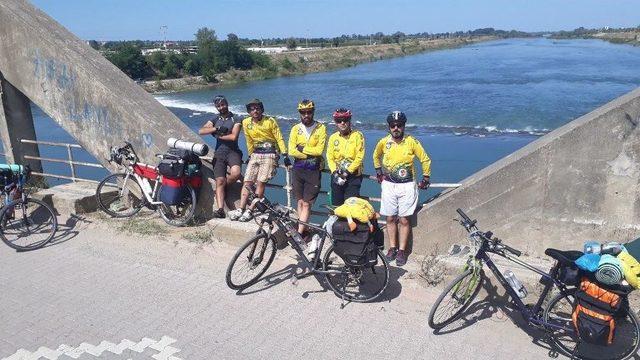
(253, 102)
(218, 99)
(397, 116)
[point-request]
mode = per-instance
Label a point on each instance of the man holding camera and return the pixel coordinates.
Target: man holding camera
(226, 129)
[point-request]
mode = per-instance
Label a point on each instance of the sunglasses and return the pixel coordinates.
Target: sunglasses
(396, 125)
(303, 112)
(254, 109)
(341, 121)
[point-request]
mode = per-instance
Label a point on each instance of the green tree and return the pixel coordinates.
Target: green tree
(129, 59)
(335, 42)
(232, 37)
(94, 44)
(191, 67)
(292, 44)
(157, 60)
(170, 70)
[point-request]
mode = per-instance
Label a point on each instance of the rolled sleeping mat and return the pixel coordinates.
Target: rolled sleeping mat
(609, 270)
(197, 148)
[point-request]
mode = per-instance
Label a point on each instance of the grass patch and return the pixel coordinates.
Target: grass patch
(142, 227)
(199, 237)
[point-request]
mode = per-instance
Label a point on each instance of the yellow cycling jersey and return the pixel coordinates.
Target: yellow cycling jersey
(263, 136)
(397, 158)
(313, 144)
(346, 152)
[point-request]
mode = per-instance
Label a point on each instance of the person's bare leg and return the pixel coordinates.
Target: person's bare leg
(244, 195)
(304, 211)
(404, 229)
(259, 192)
(234, 174)
(220, 185)
(392, 231)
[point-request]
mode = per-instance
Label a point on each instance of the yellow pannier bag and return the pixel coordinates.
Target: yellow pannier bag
(355, 208)
(631, 269)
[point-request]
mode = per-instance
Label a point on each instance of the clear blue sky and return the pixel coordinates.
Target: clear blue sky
(142, 19)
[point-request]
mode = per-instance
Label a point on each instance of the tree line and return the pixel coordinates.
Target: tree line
(215, 56)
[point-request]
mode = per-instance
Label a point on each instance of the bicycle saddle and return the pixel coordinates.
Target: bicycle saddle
(562, 256)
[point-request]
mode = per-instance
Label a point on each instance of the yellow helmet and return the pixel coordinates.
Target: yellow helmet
(306, 105)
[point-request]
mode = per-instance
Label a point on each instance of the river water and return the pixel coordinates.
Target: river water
(469, 106)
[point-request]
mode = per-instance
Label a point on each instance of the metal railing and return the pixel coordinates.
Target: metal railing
(286, 186)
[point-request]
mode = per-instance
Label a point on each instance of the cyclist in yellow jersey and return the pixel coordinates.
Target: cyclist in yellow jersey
(264, 144)
(345, 153)
(393, 159)
(306, 145)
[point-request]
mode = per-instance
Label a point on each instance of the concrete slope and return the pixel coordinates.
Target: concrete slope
(576, 183)
(81, 90)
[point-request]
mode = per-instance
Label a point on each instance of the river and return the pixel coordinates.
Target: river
(468, 106)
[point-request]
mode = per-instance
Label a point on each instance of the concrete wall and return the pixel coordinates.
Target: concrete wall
(578, 182)
(81, 90)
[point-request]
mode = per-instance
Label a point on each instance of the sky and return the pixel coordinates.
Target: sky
(143, 19)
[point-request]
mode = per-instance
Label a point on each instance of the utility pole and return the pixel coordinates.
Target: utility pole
(163, 31)
(306, 40)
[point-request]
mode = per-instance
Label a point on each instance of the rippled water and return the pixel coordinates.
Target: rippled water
(469, 106)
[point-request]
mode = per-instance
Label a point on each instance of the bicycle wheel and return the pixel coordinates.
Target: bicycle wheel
(27, 225)
(120, 196)
(356, 283)
(455, 298)
(625, 342)
(181, 213)
(251, 261)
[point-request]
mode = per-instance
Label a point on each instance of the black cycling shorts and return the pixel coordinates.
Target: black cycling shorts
(225, 158)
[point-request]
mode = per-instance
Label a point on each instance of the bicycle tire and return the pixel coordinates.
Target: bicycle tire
(627, 332)
(268, 241)
(176, 215)
(107, 200)
(336, 281)
(13, 221)
(471, 289)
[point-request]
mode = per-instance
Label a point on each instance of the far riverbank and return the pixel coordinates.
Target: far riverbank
(313, 61)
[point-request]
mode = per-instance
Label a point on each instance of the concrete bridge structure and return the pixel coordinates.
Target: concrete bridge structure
(576, 183)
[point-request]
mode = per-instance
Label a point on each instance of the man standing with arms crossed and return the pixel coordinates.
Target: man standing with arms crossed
(393, 159)
(306, 145)
(226, 129)
(264, 143)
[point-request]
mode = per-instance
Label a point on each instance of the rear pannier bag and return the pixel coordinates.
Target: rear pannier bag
(356, 248)
(172, 168)
(173, 190)
(593, 316)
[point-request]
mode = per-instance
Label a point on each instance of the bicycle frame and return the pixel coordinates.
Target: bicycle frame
(530, 314)
(148, 191)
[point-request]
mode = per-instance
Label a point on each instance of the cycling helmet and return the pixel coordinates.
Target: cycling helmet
(306, 105)
(218, 99)
(253, 102)
(342, 114)
(396, 117)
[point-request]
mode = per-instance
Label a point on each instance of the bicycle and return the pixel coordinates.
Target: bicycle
(554, 318)
(123, 195)
(25, 223)
(251, 261)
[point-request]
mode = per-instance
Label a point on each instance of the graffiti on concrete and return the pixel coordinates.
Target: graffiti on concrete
(147, 140)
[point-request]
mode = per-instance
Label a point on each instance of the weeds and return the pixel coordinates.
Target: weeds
(142, 227)
(432, 270)
(199, 237)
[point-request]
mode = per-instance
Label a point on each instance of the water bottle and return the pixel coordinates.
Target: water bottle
(515, 284)
(295, 235)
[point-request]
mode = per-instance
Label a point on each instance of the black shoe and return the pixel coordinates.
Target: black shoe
(391, 254)
(219, 214)
(401, 258)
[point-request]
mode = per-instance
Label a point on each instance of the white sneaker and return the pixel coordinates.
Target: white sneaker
(246, 216)
(235, 214)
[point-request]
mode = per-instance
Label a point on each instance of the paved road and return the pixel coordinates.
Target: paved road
(102, 293)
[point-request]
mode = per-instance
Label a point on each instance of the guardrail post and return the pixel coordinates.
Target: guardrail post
(287, 186)
(73, 168)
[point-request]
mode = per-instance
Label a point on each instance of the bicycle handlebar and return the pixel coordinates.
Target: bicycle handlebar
(512, 250)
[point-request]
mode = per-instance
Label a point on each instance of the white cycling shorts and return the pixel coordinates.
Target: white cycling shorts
(398, 199)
